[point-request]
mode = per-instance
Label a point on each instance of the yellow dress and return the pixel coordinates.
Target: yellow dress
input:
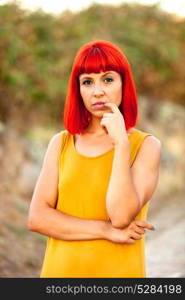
(83, 182)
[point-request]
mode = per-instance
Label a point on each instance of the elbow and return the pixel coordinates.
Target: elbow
(120, 223)
(36, 219)
(120, 220)
(32, 224)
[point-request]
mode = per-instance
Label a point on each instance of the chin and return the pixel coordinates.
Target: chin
(98, 113)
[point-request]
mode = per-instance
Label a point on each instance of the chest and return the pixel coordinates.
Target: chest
(92, 146)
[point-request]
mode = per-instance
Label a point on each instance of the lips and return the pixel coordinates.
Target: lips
(99, 103)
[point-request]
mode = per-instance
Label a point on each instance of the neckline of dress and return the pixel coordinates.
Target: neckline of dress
(100, 155)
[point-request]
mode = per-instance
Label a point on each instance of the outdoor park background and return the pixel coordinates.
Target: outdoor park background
(36, 54)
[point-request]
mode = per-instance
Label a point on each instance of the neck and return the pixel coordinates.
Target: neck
(98, 130)
(95, 128)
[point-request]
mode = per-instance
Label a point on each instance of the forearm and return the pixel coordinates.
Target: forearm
(122, 202)
(58, 225)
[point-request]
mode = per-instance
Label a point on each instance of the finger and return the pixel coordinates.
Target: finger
(140, 223)
(136, 236)
(103, 122)
(144, 224)
(139, 230)
(107, 115)
(107, 118)
(112, 106)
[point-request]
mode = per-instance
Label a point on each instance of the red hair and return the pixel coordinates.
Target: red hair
(95, 57)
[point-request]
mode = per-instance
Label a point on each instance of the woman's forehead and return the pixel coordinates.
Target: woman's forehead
(100, 74)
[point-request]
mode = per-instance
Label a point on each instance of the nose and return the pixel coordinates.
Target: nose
(98, 90)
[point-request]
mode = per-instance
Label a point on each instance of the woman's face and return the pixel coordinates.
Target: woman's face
(100, 87)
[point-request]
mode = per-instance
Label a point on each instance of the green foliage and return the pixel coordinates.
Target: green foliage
(37, 52)
(20, 232)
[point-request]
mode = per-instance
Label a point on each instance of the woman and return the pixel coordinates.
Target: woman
(98, 175)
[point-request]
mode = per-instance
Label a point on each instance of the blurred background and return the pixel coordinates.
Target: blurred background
(37, 47)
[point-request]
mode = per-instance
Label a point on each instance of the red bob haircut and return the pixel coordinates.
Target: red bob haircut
(95, 57)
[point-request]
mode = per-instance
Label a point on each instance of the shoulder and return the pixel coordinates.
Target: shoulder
(150, 151)
(53, 149)
(56, 138)
(55, 142)
(151, 143)
(149, 140)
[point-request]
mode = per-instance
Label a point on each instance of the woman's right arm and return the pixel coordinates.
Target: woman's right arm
(44, 218)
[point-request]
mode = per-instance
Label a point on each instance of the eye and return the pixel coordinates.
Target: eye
(109, 79)
(86, 82)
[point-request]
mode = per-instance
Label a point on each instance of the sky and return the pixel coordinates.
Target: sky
(57, 6)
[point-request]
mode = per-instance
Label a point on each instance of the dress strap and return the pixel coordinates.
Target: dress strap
(64, 135)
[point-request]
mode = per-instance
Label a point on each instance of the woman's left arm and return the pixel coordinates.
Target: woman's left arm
(129, 188)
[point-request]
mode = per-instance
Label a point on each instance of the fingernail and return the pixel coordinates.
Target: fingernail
(154, 228)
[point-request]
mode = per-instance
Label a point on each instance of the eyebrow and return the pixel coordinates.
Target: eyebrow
(88, 77)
